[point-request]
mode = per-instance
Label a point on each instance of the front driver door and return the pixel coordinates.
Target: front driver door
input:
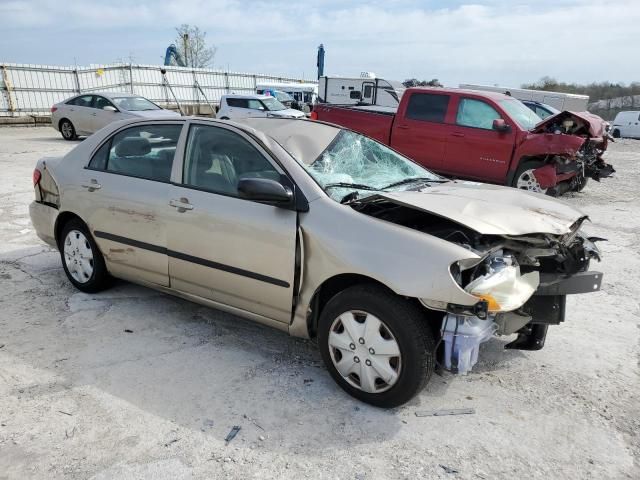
(474, 149)
(221, 247)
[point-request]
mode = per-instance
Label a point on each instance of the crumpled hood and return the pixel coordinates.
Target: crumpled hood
(155, 113)
(596, 124)
(491, 209)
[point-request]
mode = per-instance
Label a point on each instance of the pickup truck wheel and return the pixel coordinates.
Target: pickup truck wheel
(377, 346)
(616, 133)
(525, 178)
(82, 261)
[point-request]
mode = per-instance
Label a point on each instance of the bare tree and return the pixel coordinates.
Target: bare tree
(192, 47)
(414, 82)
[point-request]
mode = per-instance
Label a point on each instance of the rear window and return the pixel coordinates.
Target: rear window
(428, 107)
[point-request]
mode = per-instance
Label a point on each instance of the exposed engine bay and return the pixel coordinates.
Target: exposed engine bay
(590, 127)
(520, 281)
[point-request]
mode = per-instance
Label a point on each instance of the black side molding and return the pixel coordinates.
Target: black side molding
(190, 258)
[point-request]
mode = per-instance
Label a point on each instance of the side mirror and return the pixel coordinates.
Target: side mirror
(110, 108)
(499, 125)
(264, 190)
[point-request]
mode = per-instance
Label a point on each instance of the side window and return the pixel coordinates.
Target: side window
(542, 113)
(99, 159)
(354, 94)
(428, 107)
(216, 159)
(255, 105)
(144, 152)
(82, 101)
(237, 102)
(367, 91)
(101, 102)
(476, 113)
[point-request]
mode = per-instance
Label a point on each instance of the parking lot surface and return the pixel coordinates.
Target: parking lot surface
(131, 383)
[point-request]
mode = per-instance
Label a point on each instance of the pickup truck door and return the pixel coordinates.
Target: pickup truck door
(474, 149)
(419, 130)
(224, 248)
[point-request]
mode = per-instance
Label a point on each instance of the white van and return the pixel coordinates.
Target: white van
(626, 124)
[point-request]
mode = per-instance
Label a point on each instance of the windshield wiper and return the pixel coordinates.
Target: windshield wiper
(414, 180)
(355, 186)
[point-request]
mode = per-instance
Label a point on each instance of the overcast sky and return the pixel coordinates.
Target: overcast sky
(491, 42)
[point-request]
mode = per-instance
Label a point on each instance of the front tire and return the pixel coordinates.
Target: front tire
(525, 179)
(67, 130)
(81, 259)
(377, 346)
(616, 133)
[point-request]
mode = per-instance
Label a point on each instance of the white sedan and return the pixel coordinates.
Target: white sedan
(88, 113)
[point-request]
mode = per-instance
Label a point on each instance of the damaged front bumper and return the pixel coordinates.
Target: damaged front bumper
(507, 305)
(547, 306)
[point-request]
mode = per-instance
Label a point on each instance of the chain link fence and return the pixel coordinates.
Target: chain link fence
(32, 89)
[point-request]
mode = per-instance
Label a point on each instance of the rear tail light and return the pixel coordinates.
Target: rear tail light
(53, 109)
(37, 175)
(314, 115)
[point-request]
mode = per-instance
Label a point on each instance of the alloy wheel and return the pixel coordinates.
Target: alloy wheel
(528, 181)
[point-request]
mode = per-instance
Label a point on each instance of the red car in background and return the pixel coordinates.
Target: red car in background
(484, 136)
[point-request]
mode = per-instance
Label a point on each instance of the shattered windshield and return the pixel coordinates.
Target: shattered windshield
(355, 163)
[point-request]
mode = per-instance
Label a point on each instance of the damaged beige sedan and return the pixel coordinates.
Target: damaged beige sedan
(321, 232)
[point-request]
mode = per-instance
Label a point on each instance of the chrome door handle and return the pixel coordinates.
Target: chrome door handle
(457, 134)
(182, 204)
(92, 185)
(403, 127)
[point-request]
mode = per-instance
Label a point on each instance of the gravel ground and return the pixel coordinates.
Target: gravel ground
(82, 397)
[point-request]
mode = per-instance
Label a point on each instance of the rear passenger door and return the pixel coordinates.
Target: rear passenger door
(224, 248)
(420, 131)
(124, 199)
(79, 111)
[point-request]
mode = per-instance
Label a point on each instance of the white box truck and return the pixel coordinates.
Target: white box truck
(562, 101)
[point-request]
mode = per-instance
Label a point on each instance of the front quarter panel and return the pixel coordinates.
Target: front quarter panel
(339, 240)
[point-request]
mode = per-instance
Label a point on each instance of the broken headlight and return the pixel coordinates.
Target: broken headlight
(498, 281)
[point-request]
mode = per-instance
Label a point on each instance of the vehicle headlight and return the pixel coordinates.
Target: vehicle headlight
(498, 281)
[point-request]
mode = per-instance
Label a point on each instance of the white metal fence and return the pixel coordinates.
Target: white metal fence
(32, 89)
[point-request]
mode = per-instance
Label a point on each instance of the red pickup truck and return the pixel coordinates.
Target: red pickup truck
(484, 136)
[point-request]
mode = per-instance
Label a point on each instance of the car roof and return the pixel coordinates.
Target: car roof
(252, 96)
(463, 91)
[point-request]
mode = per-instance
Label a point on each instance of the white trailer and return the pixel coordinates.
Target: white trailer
(561, 101)
(363, 90)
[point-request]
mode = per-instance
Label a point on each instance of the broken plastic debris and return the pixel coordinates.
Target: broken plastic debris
(231, 435)
(443, 413)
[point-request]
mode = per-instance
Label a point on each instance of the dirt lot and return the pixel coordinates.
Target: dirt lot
(131, 383)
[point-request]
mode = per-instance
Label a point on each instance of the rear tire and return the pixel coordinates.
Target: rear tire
(393, 356)
(616, 133)
(81, 258)
(67, 130)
